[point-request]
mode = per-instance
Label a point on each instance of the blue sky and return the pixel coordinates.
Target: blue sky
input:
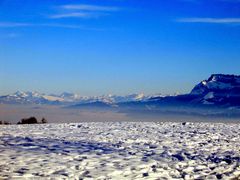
(116, 46)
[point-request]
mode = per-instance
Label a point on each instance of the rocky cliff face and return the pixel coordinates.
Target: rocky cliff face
(219, 89)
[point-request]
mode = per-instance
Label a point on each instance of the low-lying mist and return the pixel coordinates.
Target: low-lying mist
(60, 114)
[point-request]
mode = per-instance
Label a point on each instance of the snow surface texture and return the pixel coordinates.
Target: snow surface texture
(120, 150)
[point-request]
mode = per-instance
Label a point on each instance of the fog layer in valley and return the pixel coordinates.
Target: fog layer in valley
(59, 114)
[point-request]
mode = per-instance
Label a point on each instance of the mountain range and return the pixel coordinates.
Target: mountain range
(20, 97)
(218, 90)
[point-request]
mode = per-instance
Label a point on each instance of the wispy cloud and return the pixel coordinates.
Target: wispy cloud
(69, 26)
(54, 25)
(85, 7)
(231, 0)
(83, 11)
(75, 15)
(199, 1)
(210, 20)
(12, 24)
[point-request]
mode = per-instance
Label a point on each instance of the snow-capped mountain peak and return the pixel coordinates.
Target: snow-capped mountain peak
(217, 82)
(218, 89)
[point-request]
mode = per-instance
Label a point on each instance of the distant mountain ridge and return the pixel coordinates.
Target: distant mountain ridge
(218, 90)
(20, 97)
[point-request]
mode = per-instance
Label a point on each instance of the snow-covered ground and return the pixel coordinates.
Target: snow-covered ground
(120, 150)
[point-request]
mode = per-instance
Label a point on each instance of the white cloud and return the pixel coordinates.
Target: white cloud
(210, 20)
(54, 25)
(198, 1)
(13, 24)
(85, 7)
(75, 15)
(83, 11)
